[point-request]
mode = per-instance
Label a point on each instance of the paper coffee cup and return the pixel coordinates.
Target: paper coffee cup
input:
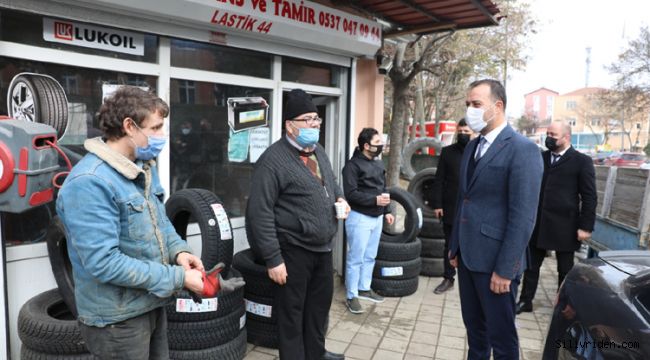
(340, 210)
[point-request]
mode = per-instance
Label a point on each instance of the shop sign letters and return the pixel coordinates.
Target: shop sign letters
(96, 37)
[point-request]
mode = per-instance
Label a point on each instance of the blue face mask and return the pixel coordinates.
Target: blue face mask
(155, 144)
(307, 137)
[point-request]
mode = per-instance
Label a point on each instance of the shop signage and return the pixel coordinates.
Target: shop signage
(96, 37)
(301, 23)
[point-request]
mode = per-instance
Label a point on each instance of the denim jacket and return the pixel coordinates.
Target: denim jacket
(120, 241)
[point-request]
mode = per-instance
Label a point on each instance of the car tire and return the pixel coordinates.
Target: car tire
(432, 228)
(255, 275)
(413, 219)
(399, 251)
(404, 269)
(433, 267)
(206, 208)
(31, 354)
(45, 324)
(226, 303)
(395, 288)
(50, 105)
(432, 248)
(421, 187)
(57, 249)
(232, 350)
(410, 149)
(198, 335)
(262, 333)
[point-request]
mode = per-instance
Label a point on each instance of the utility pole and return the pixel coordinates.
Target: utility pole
(588, 65)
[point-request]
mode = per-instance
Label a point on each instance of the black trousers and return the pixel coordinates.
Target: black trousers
(303, 303)
(531, 275)
(450, 271)
(488, 317)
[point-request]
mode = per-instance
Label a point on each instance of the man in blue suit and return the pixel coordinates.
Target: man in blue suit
(500, 178)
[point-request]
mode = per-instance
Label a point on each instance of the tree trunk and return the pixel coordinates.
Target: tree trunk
(419, 100)
(400, 113)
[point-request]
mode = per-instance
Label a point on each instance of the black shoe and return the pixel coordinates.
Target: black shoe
(445, 285)
(332, 356)
(523, 306)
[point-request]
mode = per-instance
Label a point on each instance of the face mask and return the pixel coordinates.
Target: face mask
(186, 131)
(155, 144)
(474, 118)
(307, 137)
(462, 139)
(377, 151)
(551, 143)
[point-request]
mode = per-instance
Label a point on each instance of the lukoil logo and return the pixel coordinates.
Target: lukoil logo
(93, 36)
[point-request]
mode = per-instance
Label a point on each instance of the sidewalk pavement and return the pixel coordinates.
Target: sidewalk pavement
(423, 325)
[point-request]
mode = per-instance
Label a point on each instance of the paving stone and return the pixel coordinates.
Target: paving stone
(530, 344)
(452, 342)
(341, 335)
(453, 331)
(443, 353)
(336, 346)
(394, 345)
(416, 357)
(256, 355)
(359, 352)
(382, 354)
(397, 333)
(366, 340)
(274, 352)
(425, 338)
(420, 349)
(427, 327)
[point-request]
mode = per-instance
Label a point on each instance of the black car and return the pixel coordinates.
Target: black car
(602, 309)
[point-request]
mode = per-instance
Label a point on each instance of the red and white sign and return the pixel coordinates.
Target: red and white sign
(96, 37)
(302, 23)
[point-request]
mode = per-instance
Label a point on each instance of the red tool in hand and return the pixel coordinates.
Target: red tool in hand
(213, 283)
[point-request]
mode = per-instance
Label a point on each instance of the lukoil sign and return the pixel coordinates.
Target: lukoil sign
(96, 37)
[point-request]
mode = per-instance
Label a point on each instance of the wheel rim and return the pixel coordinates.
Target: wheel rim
(22, 103)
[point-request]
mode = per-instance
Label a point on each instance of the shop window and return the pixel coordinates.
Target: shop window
(186, 91)
(83, 104)
(205, 153)
(310, 72)
(26, 28)
(210, 57)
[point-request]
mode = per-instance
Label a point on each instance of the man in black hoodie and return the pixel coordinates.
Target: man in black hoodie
(445, 194)
(364, 184)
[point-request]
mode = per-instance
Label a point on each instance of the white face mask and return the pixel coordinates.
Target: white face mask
(474, 118)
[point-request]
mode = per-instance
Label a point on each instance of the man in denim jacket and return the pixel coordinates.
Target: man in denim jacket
(126, 256)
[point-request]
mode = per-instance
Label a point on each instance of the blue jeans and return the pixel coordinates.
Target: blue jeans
(363, 233)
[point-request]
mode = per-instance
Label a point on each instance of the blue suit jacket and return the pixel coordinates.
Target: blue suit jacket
(497, 207)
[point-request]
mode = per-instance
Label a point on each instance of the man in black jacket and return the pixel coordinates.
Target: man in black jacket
(445, 194)
(364, 183)
(567, 209)
(290, 224)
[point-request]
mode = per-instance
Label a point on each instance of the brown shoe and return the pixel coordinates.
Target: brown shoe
(445, 285)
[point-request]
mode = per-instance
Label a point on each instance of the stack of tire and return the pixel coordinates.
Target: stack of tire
(47, 323)
(216, 328)
(261, 321)
(397, 264)
(431, 234)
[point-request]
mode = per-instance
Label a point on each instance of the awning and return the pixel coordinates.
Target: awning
(428, 16)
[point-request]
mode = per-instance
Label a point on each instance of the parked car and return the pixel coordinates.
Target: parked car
(646, 165)
(602, 309)
(626, 159)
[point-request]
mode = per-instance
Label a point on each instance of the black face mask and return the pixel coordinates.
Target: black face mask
(378, 150)
(551, 143)
(462, 139)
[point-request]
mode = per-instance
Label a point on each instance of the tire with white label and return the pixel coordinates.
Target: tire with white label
(38, 98)
(197, 335)
(57, 249)
(45, 324)
(262, 334)
(232, 350)
(433, 267)
(399, 251)
(256, 276)
(410, 149)
(432, 248)
(260, 308)
(412, 221)
(396, 270)
(432, 228)
(206, 209)
(421, 187)
(395, 288)
(225, 304)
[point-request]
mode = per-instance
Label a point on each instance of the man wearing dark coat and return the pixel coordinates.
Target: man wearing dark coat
(567, 209)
